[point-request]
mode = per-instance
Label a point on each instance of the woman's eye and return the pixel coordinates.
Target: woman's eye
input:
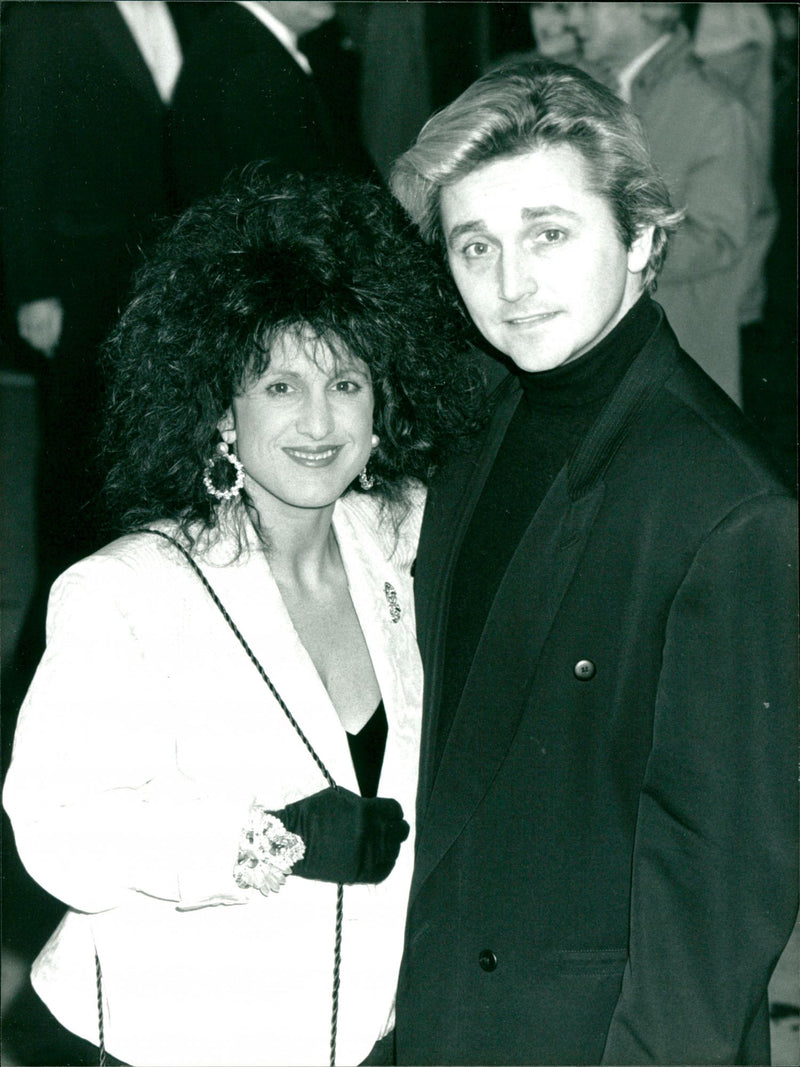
(278, 389)
(345, 385)
(476, 249)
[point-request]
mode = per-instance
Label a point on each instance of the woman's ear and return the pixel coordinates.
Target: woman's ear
(227, 427)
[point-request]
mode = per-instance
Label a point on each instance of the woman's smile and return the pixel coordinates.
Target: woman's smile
(308, 456)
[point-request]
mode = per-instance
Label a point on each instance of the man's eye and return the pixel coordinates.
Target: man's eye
(344, 385)
(278, 389)
(552, 237)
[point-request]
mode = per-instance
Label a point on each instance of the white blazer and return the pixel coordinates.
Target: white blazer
(145, 736)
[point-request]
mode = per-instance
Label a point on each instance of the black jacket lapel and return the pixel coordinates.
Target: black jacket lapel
(505, 660)
(450, 505)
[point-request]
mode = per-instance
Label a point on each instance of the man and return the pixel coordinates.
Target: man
(606, 857)
(247, 92)
(709, 151)
(85, 90)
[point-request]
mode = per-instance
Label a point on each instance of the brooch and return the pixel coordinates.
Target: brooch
(395, 611)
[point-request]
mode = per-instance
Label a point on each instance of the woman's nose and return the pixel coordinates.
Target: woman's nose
(315, 419)
(516, 276)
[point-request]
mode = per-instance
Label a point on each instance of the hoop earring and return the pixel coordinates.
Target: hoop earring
(223, 452)
(366, 480)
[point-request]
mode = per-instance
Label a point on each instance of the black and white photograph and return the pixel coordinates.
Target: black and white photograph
(399, 533)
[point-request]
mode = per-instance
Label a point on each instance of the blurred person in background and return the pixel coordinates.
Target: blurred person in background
(770, 359)
(752, 48)
(85, 90)
(414, 58)
(704, 143)
(395, 90)
(247, 91)
(735, 44)
(553, 37)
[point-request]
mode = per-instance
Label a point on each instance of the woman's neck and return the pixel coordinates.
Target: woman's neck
(301, 546)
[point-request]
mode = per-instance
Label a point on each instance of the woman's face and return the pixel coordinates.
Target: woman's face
(304, 428)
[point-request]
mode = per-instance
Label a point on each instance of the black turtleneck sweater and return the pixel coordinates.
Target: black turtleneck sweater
(557, 409)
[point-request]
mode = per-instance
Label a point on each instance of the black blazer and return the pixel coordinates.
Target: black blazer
(241, 97)
(606, 864)
(83, 153)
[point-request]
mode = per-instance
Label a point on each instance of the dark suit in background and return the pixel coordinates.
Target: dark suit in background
(241, 97)
(83, 180)
(82, 149)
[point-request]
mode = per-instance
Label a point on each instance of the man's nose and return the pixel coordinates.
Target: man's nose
(516, 276)
(315, 419)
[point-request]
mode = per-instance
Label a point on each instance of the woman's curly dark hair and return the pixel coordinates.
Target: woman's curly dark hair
(335, 254)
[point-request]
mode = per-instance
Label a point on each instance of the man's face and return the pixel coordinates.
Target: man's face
(537, 257)
(609, 33)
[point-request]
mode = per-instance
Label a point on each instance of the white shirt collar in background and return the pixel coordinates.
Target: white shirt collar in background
(626, 76)
(277, 29)
(154, 31)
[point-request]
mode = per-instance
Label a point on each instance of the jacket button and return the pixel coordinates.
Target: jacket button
(584, 669)
(487, 960)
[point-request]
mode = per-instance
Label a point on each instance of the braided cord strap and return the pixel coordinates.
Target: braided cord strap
(337, 962)
(251, 655)
(100, 1028)
(337, 952)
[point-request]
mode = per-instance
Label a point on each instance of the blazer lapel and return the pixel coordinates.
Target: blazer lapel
(364, 565)
(448, 511)
(251, 596)
(505, 660)
(391, 641)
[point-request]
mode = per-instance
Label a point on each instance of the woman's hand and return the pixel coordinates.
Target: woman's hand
(349, 839)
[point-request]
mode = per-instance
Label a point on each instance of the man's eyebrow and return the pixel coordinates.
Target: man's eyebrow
(528, 214)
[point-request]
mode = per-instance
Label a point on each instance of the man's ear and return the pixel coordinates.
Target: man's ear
(639, 252)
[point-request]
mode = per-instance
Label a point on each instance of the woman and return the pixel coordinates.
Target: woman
(281, 382)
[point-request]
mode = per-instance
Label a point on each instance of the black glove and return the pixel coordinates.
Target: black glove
(349, 839)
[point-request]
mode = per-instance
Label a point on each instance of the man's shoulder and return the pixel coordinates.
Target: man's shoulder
(691, 425)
